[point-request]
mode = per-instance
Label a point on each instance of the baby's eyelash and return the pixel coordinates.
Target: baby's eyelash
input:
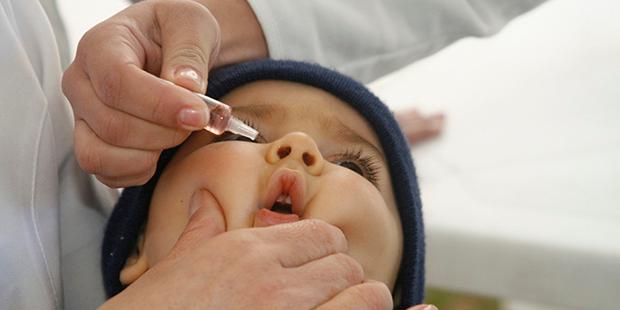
(369, 163)
(247, 122)
(259, 138)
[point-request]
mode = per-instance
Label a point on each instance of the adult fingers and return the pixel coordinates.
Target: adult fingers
(368, 295)
(206, 221)
(114, 166)
(426, 129)
(119, 128)
(333, 274)
(418, 127)
(300, 242)
(130, 89)
(190, 39)
(423, 307)
(113, 67)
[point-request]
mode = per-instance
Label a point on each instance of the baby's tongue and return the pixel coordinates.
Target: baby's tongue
(265, 217)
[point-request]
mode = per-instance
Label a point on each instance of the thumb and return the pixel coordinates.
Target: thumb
(190, 41)
(206, 221)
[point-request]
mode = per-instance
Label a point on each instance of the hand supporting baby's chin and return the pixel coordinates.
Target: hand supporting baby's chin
(202, 198)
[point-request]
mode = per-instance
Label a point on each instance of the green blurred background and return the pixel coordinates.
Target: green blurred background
(449, 300)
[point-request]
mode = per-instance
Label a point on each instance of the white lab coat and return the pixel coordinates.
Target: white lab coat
(51, 214)
(35, 139)
(39, 178)
(370, 38)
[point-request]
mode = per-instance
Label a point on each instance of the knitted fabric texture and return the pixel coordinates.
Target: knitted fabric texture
(131, 211)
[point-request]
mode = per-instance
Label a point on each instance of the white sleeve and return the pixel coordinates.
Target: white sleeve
(50, 216)
(35, 139)
(367, 39)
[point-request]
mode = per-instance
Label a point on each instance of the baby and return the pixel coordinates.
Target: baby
(328, 149)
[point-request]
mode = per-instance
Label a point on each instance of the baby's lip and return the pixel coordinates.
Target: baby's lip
(265, 217)
(286, 181)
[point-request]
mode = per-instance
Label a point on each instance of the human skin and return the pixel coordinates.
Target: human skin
(240, 180)
(128, 58)
(124, 74)
(302, 267)
(131, 47)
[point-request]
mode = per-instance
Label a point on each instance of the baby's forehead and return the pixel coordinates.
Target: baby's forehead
(272, 97)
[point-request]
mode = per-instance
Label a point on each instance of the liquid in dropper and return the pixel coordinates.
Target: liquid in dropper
(221, 119)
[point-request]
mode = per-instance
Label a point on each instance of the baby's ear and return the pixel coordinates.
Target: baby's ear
(136, 264)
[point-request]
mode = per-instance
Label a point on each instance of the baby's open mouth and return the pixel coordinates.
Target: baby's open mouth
(283, 205)
(284, 200)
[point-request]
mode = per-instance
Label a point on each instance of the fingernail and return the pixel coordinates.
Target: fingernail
(190, 75)
(430, 307)
(193, 119)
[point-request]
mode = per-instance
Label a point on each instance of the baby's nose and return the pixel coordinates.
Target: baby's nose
(297, 146)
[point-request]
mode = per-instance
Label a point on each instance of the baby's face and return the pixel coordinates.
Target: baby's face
(315, 158)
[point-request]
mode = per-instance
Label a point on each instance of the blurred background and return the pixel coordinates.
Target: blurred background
(521, 192)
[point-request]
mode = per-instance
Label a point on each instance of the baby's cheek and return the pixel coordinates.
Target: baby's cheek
(159, 243)
(168, 214)
(360, 211)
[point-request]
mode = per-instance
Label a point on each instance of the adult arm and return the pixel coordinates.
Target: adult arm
(367, 39)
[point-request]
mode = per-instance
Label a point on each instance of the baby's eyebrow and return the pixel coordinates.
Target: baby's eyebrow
(259, 111)
(333, 125)
(346, 134)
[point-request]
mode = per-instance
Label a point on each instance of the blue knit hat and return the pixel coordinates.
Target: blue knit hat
(131, 211)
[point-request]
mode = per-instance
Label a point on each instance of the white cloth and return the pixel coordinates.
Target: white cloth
(39, 179)
(520, 192)
(35, 139)
(50, 219)
(62, 40)
(368, 39)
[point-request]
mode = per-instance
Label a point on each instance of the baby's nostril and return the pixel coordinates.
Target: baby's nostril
(283, 151)
(308, 159)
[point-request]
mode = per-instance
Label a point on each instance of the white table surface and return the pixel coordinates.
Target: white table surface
(521, 193)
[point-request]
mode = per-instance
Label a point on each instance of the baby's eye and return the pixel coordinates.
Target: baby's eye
(352, 166)
(366, 166)
(229, 136)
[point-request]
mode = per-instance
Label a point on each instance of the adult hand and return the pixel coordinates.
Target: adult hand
(125, 115)
(418, 127)
(423, 307)
(299, 265)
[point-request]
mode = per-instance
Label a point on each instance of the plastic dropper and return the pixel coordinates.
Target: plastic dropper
(221, 119)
